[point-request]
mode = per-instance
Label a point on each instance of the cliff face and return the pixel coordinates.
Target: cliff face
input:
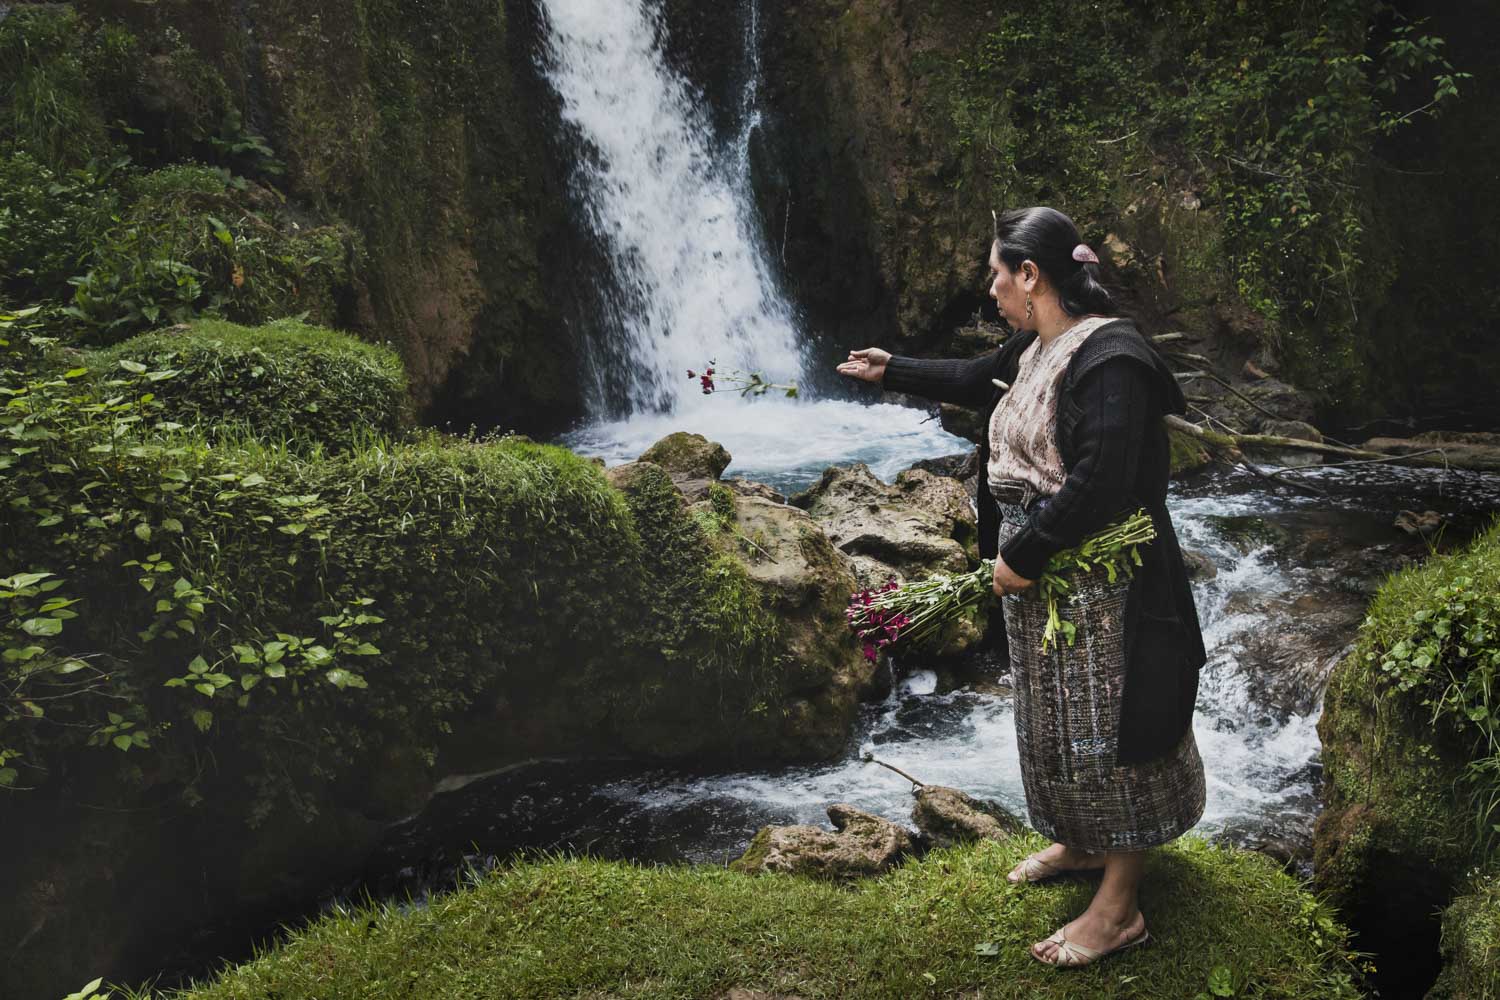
(426, 129)
(1239, 193)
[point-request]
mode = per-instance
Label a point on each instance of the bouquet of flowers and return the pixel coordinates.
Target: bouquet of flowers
(920, 610)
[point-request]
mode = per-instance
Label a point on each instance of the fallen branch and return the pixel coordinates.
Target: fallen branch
(1269, 442)
(1367, 461)
(869, 758)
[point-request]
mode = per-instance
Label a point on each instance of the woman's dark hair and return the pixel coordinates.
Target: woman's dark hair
(1047, 237)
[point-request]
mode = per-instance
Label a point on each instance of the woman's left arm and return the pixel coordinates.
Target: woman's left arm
(1118, 400)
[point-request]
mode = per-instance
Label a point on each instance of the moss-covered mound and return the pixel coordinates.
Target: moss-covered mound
(1223, 922)
(1471, 945)
(284, 381)
(206, 632)
(1398, 831)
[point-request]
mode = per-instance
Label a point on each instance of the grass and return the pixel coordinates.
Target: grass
(572, 927)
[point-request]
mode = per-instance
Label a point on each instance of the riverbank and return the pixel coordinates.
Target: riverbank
(568, 927)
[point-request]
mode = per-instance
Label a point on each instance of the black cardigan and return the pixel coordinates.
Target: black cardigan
(1115, 449)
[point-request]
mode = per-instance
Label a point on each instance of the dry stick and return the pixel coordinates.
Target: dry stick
(1365, 461)
(869, 758)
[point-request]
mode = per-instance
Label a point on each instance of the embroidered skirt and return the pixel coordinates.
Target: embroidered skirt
(1067, 704)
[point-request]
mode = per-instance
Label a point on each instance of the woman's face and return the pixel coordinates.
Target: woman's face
(1008, 288)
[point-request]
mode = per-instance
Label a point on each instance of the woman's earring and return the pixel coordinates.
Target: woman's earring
(1028, 305)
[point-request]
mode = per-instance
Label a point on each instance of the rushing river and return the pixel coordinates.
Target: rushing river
(1284, 578)
(1292, 574)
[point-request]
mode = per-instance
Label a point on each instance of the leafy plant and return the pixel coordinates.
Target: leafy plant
(1269, 108)
(1448, 659)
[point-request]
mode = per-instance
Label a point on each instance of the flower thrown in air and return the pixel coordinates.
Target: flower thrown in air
(746, 384)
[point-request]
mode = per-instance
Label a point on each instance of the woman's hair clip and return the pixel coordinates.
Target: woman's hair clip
(1084, 255)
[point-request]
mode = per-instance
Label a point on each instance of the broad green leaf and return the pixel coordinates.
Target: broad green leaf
(134, 367)
(42, 626)
(122, 741)
(203, 719)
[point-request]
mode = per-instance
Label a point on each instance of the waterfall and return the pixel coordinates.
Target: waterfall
(671, 208)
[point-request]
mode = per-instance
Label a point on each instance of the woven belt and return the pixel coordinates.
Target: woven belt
(1013, 491)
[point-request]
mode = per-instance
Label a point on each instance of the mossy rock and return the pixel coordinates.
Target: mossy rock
(945, 925)
(281, 381)
(1397, 834)
(1247, 531)
(1471, 944)
(688, 456)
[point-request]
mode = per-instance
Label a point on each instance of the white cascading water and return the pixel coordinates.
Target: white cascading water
(672, 207)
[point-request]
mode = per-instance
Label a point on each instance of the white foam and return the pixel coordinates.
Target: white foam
(671, 207)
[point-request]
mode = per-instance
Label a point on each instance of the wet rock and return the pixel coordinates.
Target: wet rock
(806, 583)
(861, 844)
(890, 530)
(688, 456)
(948, 816)
(960, 465)
(920, 525)
(1422, 525)
(1298, 429)
(1199, 566)
(746, 488)
(1286, 665)
(1190, 201)
(962, 421)
(1247, 532)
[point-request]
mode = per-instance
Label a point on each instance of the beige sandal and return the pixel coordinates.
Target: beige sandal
(1034, 869)
(1075, 956)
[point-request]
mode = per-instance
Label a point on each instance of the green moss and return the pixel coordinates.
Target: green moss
(1398, 830)
(284, 380)
(1471, 944)
(1188, 455)
(565, 928)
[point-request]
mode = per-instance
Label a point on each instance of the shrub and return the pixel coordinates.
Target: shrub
(282, 381)
(290, 611)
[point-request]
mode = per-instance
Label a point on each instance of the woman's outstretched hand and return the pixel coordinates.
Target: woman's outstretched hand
(867, 365)
(1007, 581)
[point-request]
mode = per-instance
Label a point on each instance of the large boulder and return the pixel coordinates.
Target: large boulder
(948, 816)
(907, 530)
(862, 845)
(920, 525)
(806, 584)
(688, 456)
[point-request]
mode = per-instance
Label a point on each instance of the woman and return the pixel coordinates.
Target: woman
(1074, 403)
